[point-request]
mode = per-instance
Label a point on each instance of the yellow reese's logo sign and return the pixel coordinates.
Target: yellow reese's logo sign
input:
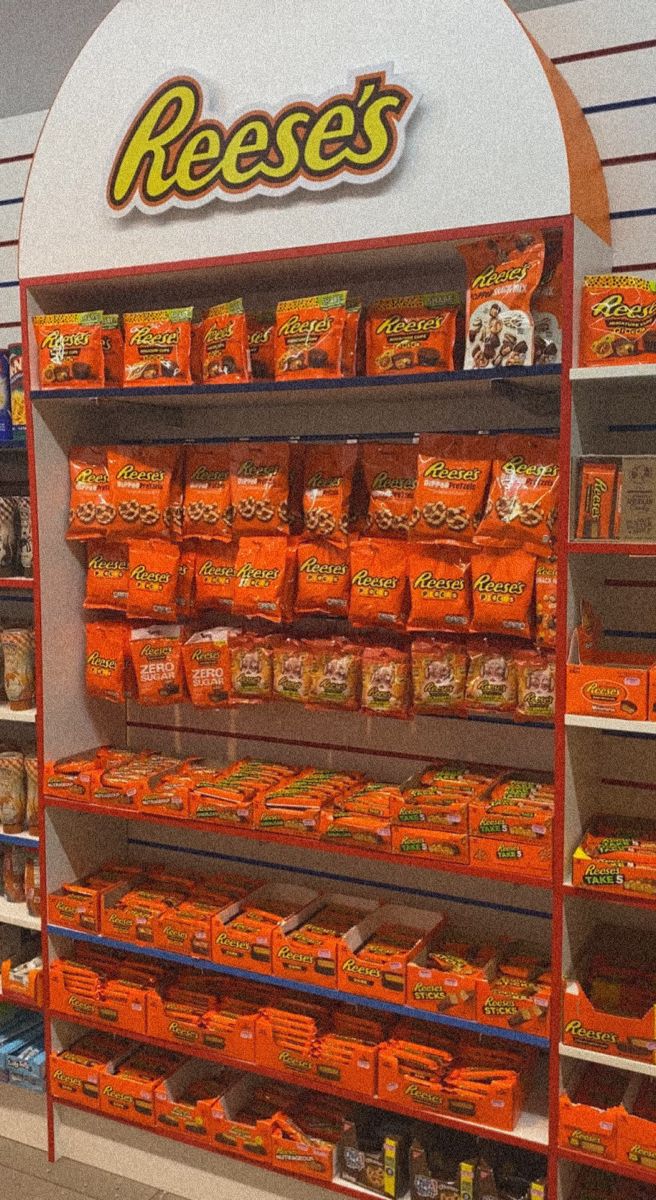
(173, 154)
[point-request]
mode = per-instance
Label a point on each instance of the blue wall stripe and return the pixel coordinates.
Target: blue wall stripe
(10, 283)
(596, 108)
(15, 200)
(633, 212)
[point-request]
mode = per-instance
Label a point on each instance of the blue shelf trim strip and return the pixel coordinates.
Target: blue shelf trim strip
(19, 839)
(399, 1010)
(618, 104)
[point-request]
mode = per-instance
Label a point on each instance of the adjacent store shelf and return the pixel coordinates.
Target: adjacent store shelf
(17, 914)
(630, 549)
(20, 1002)
(614, 1061)
(631, 899)
(23, 1116)
(24, 716)
(612, 1168)
(627, 373)
(613, 725)
(16, 583)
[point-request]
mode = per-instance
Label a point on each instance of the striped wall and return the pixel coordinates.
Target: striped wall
(606, 49)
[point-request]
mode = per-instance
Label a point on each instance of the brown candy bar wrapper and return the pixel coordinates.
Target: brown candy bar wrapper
(596, 500)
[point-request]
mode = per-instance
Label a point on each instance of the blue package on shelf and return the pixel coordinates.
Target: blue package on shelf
(27, 1066)
(6, 428)
(14, 1037)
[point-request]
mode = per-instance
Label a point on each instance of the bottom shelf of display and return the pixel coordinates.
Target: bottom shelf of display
(23, 1116)
(611, 1168)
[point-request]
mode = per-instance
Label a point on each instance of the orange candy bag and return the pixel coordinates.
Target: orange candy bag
(206, 660)
(215, 576)
(156, 654)
(503, 274)
(386, 679)
(491, 678)
(350, 339)
(92, 513)
(452, 478)
(140, 480)
(251, 668)
(112, 344)
(264, 578)
(439, 672)
(70, 350)
(336, 674)
(618, 320)
(412, 333)
(226, 357)
(157, 349)
(207, 503)
(439, 581)
(546, 583)
(105, 660)
(390, 473)
(261, 345)
(308, 339)
(522, 504)
(107, 576)
(323, 577)
(502, 589)
(259, 473)
(292, 670)
(328, 482)
(184, 592)
(378, 583)
(153, 568)
(536, 685)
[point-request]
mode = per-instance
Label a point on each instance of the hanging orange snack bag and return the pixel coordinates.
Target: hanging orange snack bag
(140, 480)
(378, 583)
(385, 681)
(323, 574)
(350, 339)
(452, 478)
(536, 685)
(546, 583)
(309, 333)
(439, 581)
(184, 592)
(215, 576)
(439, 671)
(156, 654)
(618, 320)
(328, 482)
(105, 660)
(196, 352)
(390, 473)
(503, 274)
(548, 308)
(259, 481)
(522, 504)
(207, 504)
(251, 668)
(491, 678)
(206, 662)
(107, 576)
(292, 670)
(412, 333)
(91, 513)
(226, 358)
(153, 567)
(112, 344)
(157, 348)
(70, 350)
(502, 589)
(263, 584)
(261, 339)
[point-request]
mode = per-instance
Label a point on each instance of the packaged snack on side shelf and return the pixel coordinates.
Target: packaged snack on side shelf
(452, 481)
(75, 1073)
(373, 1152)
(390, 475)
(208, 509)
(609, 1003)
(70, 350)
(26, 1065)
(22, 974)
(17, 1030)
(617, 853)
(518, 994)
(636, 1126)
(412, 333)
(502, 276)
(546, 582)
(374, 954)
(243, 932)
(259, 487)
(127, 1088)
(157, 350)
(92, 513)
(308, 337)
(618, 320)
(112, 346)
(182, 1100)
(107, 576)
(606, 681)
(589, 1111)
(522, 503)
(439, 673)
(16, 387)
(444, 975)
(597, 485)
(225, 352)
(261, 346)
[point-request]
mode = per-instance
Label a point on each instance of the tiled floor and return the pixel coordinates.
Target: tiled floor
(26, 1174)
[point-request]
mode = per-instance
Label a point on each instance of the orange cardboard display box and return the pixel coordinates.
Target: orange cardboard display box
(518, 994)
(77, 989)
(133, 918)
(444, 975)
(128, 1089)
(243, 1121)
(187, 929)
(75, 1073)
(594, 1004)
(605, 682)
(434, 844)
(242, 932)
(309, 949)
(306, 1136)
(589, 1112)
(617, 854)
(374, 955)
(81, 905)
(71, 778)
(230, 1027)
(22, 980)
(636, 1127)
(511, 854)
(419, 808)
(181, 1101)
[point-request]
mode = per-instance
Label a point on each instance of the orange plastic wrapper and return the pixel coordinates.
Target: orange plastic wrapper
(184, 592)
(548, 308)
(536, 685)
(292, 670)
(328, 482)
(386, 678)
(618, 320)
(261, 344)
(196, 352)
(156, 654)
(412, 333)
(546, 581)
(206, 661)
(522, 504)
(264, 578)
(157, 349)
(378, 583)
(140, 481)
(251, 668)
(439, 582)
(452, 479)
(350, 339)
(390, 473)
(105, 660)
(112, 345)
(502, 275)
(214, 576)
(598, 481)
(153, 567)
(70, 350)
(308, 338)
(502, 592)
(336, 674)
(439, 672)
(91, 513)
(260, 487)
(107, 576)
(226, 357)
(491, 678)
(207, 502)
(323, 575)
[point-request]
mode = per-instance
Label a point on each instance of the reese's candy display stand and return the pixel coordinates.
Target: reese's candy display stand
(412, 333)
(70, 350)
(309, 333)
(618, 320)
(157, 349)
(225, 353)
(502, 275)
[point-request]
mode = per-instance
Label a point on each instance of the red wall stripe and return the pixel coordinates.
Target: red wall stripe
(626, 48)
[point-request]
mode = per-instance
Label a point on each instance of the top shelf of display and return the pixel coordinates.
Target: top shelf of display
(619, 373)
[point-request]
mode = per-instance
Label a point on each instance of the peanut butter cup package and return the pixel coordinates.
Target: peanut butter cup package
(225, 353)
(261, 344)
(618, 320)
(157, 349)
(309, 334)
(412, 333)
(70, 350)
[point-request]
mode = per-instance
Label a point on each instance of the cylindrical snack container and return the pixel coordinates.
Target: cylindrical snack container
(13, 874)
(32, 885)
(5, 399)
(18, 646)
(32, 794)
(24, 514)
(12, 791)
(7, 536)
(15, 352)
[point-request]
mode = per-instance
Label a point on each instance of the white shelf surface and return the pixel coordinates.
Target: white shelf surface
(613, 724)
(626, 373)
(17, 914)
(25, 716)
(23, 1117)
(608, 1060)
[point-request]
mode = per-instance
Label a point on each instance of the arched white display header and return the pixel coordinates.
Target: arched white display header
(229, 127)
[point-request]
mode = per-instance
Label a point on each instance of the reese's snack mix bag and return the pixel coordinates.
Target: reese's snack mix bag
(206, 661)
(105, 660)
(378, 583)
(214, 576)
(207, 505)
(261, 344)
(412, 333)
(156, 654)
(92, 513)
(350, 339)
(439, 584)
(336, 674)
(452, 478)
(112, 345)
(536, 685)
(502, 591)
(323, 574)
(308, 339)
(107, 576)
(153, 567)
(439, 672)
(157, 350)
(251, 668)
(226, 357)
(618, 320)
(385, 681)
(292, 670)
(390, 473)
(522, 503)
(327, 487)
(502, 275)
(184, 592)
(264, 577)
(491, 678)
(546, 582)
(260, 487)
(70, 350)
(140, 480)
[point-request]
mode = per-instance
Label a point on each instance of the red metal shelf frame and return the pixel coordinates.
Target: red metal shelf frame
(16, 584)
